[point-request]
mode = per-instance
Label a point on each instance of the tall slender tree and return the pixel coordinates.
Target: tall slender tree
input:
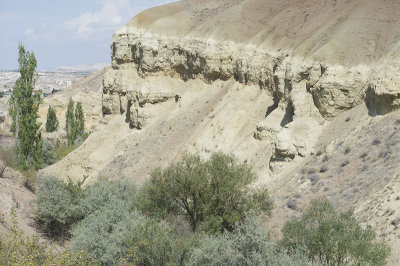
(79, 120)
(23, 108)
(51, 122)
(70, 127)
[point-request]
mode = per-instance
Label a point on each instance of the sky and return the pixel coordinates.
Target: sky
(64, 33)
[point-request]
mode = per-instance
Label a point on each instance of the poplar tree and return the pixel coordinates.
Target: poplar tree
(23, 109)
(51, 122)
(70, 127)
(79, 120)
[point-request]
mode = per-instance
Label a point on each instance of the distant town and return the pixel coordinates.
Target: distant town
(48, 82)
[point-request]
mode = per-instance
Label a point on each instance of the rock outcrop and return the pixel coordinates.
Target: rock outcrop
(311, 77)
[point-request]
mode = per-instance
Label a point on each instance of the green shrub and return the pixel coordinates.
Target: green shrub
(109, 217)
(49, 154)
(7, 158)
(213, 195)
(248, 244)
(61, 150)
(57, 206)
(29, 179)
(156, 243)
(15, 249)
(105, 192)
(332, 237)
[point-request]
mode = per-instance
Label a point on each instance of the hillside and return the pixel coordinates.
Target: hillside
(306, 92)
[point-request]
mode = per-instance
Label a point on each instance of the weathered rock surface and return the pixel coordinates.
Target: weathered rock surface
(260, 49)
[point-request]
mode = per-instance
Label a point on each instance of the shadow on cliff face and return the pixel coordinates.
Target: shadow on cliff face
(380, 104)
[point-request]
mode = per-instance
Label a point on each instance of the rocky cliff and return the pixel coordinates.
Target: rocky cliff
(315, 58)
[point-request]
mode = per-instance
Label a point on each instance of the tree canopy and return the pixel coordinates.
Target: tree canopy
(23, 108)
(213, 195)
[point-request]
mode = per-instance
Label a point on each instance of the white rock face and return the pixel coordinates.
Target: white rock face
(311, 78)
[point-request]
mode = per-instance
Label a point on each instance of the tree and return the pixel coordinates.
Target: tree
(52, 122)
(333, 238)
(23, 108)
(79, 120)
(213, 195)
(70, 123)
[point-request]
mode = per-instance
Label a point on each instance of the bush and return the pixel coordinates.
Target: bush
(61, 150)
(292, 204)
(49, 154)
(332, 237)
(57, 205)
(15, 249)
(156, 243)
(101, 234)
(109, 217)
(248, 244)
(7, 159)
(105, 193)
(376, 142)
(213, 195)
(29, 179)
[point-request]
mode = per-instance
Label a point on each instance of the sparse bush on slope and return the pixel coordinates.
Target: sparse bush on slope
(333, 238)
(16, 249)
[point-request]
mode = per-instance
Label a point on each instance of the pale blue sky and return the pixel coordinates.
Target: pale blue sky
(64, 33)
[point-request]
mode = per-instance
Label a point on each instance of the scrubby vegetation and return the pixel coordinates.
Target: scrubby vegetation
(333, 238)
(7, 158)
(115, 222)
(16, 249)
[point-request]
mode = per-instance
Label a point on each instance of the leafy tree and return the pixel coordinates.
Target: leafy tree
(213, 195)
(70, 123)
(24, 107)
(333, 238)
(79, 120)
(52, 122)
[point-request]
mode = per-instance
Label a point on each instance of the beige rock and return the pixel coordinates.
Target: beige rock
(271, 125)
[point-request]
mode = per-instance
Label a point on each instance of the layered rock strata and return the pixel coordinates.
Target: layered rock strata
(311, 77)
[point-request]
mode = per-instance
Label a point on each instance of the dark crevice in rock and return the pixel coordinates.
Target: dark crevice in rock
(273, 106)
(128, 112)
(288, 118)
